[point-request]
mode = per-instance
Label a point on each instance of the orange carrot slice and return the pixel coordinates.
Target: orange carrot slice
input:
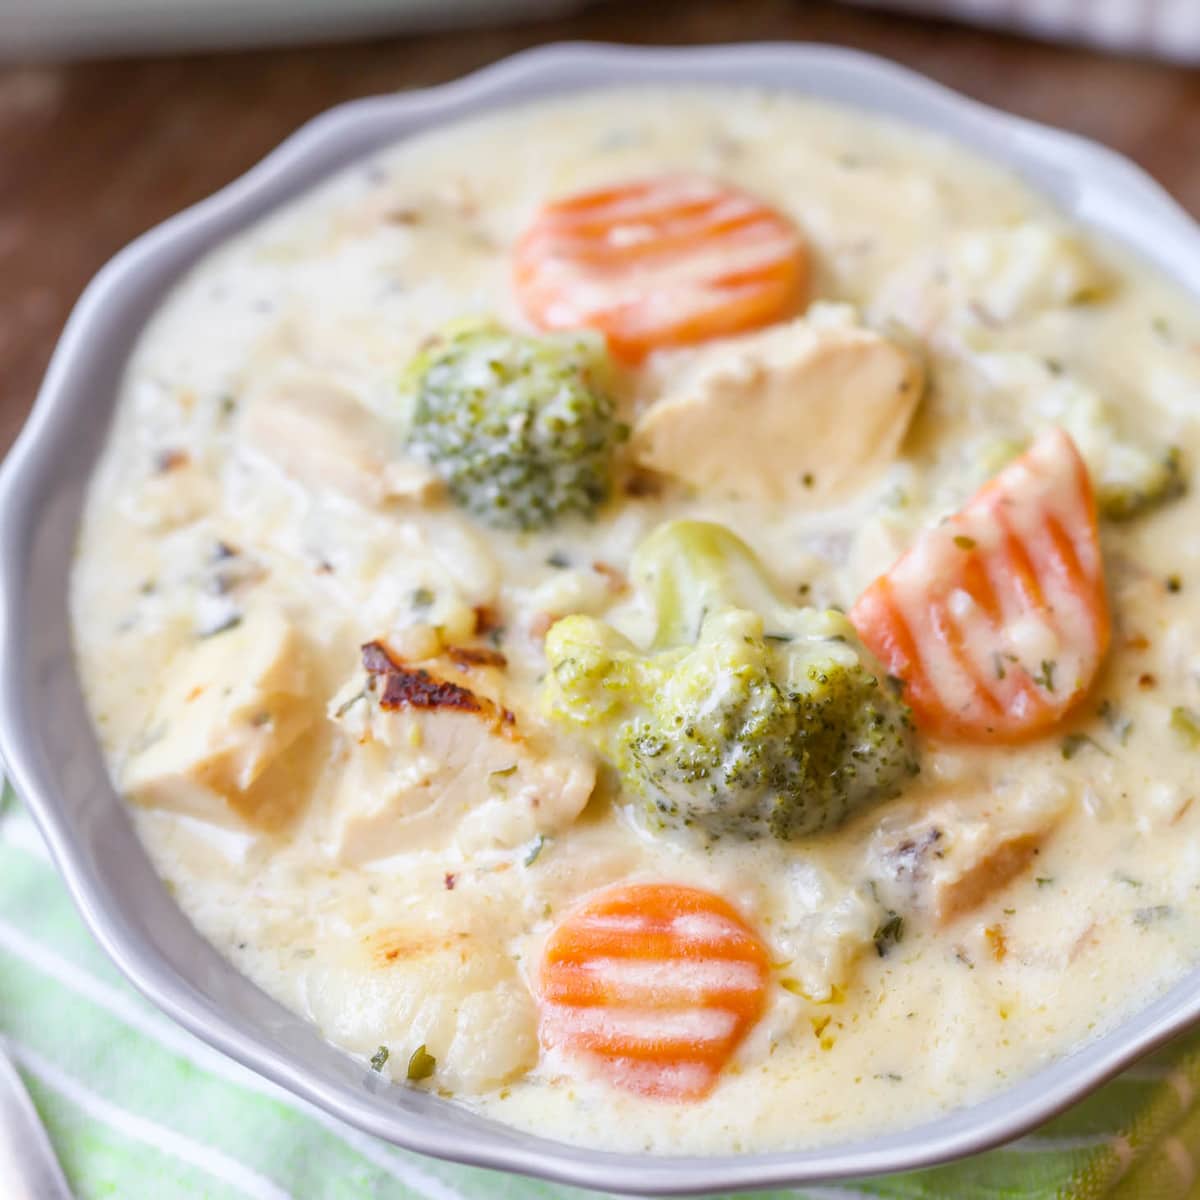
(997, 620)
(666, 261)
(655, 985)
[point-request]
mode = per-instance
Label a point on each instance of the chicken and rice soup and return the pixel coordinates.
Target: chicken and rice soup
(668, 616)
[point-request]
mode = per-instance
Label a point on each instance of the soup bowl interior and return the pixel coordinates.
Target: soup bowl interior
(52, 755)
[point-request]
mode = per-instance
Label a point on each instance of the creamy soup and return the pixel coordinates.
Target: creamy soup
(493, 601)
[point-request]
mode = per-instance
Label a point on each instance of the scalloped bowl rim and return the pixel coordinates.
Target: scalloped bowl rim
(51, 753)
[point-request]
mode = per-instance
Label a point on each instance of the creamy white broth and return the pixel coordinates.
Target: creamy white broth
(191, 526)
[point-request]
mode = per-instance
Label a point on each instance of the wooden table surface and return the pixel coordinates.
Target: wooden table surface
(93, 153)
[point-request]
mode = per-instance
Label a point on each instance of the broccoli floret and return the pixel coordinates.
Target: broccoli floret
(1129, 477)
(746, 715)
(1139, 480)
(1134, 470)
(521, 428)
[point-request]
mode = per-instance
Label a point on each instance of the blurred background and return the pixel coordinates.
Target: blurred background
(116, 113)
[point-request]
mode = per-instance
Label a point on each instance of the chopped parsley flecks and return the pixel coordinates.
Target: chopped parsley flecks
(346, 706)
(421, 1065)
(1186, 723)
(532, 855)
(497, 777)
(1074, 742)
(1119, 724)
(1045, 677)
(999, 658)
(890, 933)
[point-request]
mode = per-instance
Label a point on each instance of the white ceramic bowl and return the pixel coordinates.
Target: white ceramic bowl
(46, 737)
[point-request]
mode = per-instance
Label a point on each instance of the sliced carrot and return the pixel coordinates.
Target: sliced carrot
(997, 620)
(655, 985)
(666, 261)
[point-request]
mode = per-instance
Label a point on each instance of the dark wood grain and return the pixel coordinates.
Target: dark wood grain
(93, 153)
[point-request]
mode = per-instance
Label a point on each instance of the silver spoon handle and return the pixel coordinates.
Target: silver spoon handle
(28, 1168)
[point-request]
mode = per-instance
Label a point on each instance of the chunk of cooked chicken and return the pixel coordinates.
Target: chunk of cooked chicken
(321, 436)
(799, 411)
(454, 991)
(178, 492)
(424, 747)
(953, 858)
(219, 743)
(822, 931)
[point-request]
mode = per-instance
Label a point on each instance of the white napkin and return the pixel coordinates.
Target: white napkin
(1165, 28)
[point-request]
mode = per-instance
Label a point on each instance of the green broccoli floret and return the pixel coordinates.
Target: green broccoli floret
(746, 715)
(1138, 480)
(521, 428)
(1134, 469)
(1130, 477)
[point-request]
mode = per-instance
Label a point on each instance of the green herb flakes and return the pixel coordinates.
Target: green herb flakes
(379, 1058)
(1074, 742)
(345, 707)
(1186, 723)
(889, 934)
(1045, 678)
(1119, 724)
(496, 778)
(421, 1065)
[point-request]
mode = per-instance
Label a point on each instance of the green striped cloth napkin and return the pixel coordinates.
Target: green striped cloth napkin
(140, 1110)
